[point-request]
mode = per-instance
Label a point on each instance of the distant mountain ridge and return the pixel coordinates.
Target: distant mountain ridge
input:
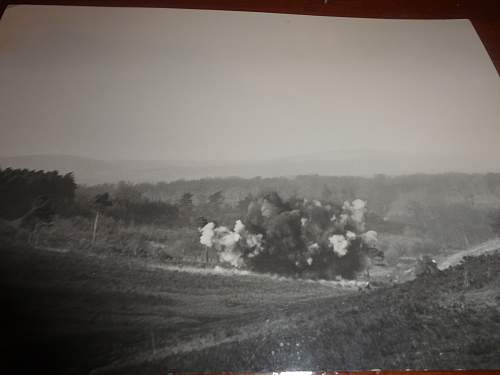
(345, 163)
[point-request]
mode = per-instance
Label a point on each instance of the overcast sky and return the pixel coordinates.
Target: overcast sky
(163, 84)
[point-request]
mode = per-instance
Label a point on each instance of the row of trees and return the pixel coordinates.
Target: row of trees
(131, 205)
(382, 190)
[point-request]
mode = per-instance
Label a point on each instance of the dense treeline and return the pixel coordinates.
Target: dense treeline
(20, 187)
(386, 192)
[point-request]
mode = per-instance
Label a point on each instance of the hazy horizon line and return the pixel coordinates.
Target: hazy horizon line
(232, 161)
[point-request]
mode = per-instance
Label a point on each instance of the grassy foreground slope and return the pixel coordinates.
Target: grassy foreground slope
(446, 321)
(77, 313)
(72, 312)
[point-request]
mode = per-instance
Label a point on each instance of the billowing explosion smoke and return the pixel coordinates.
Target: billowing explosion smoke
(309, 238)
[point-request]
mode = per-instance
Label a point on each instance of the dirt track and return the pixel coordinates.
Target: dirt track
(490, 246)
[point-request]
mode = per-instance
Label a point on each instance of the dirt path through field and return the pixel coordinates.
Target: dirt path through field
(483, 248)
(245, 328)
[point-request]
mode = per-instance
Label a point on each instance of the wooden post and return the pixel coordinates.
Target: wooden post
(94, 231)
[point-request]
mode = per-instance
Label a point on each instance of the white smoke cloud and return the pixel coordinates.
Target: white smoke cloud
(228, 239)
(234, 258)
(238, 245)
(239, 227)
(225, 242)
(370, 238)
(358, 204)
(339, 243)
(254, 240)
(207, 235)
(350, 235)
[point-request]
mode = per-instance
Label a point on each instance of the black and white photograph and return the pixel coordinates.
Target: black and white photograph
(189, 190)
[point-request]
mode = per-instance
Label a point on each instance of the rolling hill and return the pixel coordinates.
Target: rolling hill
(346, 163)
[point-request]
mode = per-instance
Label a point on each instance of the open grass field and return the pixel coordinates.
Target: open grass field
(71, 312)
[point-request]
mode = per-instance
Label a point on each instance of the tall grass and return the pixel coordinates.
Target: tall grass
(113, 236)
